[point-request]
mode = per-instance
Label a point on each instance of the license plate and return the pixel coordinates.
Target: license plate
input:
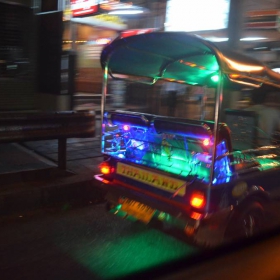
(138, 210)
(153, 179)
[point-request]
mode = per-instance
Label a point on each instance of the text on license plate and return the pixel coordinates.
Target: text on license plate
(152, 178)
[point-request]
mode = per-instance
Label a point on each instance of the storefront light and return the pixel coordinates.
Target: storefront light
(252, 39)
(126, 12)
(103, 41)
(216, 39)
(276, 70)
(246, 39)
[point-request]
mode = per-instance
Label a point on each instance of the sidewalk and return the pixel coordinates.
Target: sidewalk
(30, 179)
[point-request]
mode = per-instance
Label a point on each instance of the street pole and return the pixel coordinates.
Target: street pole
(235, 24)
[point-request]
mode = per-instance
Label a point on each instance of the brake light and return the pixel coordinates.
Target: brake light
(197, 199)
(105, 168)
(196, 216)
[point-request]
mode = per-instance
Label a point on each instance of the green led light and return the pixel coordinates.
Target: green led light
(215, 78)
(177, 164)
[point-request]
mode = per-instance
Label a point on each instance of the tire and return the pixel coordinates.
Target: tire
(247, 222)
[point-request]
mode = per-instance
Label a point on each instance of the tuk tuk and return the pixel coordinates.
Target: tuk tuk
(177, 148)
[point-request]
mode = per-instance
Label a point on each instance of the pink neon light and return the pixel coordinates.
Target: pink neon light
(126, 127)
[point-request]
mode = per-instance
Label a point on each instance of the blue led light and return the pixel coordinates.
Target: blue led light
(222, 171)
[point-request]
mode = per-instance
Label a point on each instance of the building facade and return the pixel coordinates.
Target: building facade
(49, 55)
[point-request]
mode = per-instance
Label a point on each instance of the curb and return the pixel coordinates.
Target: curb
(79, 190)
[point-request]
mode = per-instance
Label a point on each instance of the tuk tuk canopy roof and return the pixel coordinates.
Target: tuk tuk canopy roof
(185, 58)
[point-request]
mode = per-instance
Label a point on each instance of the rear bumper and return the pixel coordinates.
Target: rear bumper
(208, 230)
(116, 189)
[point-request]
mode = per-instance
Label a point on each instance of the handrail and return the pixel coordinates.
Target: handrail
(20, 127)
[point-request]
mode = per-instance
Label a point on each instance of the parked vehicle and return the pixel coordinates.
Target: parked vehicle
(198, 166)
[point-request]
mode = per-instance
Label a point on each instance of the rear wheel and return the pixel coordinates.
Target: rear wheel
(247, 222)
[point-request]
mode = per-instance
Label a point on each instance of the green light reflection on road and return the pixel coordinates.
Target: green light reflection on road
(132, 253)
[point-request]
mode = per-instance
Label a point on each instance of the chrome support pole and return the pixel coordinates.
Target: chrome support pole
(103, 98)
(218, 106)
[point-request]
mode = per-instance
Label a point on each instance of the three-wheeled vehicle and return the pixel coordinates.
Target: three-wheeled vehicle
(178, 146)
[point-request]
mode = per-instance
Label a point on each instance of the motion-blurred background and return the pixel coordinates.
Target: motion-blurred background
(49, 50)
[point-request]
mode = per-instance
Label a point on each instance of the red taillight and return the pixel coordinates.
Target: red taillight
(196, 216)
(106, 168)
(197, 200)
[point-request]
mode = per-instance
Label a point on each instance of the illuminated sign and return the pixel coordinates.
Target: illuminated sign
(133, 32)
(114, 5)
(198, 15)
(84, 7)
(109, 18)
(103, 20)
(67, 14)
(262, 19)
